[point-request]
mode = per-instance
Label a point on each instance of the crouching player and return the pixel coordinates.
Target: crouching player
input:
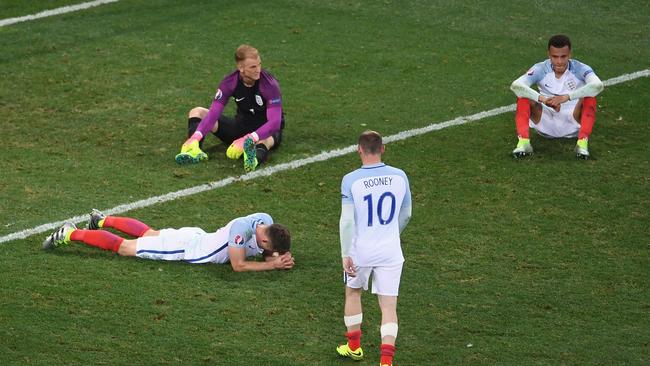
(376, 206)
(242, 237)
(564, 107)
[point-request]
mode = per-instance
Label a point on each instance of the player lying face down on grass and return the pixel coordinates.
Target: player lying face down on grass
(241, 238)
(257, 126)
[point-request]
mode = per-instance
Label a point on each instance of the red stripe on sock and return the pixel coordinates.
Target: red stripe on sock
(98, 238)
(126, 225)
(522, 116)
(587, 117)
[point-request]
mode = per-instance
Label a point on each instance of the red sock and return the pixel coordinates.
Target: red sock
(587, 117)
(126, 225)
(387, 352)
(98, 238)
(354, 339)
(522, 116)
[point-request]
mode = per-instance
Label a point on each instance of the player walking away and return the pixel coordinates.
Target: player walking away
(376, 206)
(564, 107)
(257, 126)
(242, 237)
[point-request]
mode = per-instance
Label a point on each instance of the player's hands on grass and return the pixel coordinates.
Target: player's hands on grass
(348, 267)
(283, 261)
(236, 149)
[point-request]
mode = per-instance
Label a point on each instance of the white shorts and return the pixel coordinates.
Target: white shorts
(190, 244)
(385, 280)
(557, 124)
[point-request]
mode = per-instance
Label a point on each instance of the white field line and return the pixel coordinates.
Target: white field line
(288, 166)
(57, 11)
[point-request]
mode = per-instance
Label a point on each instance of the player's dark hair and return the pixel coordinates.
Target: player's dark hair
(245, 51)
(370, 142)
(280, 238)
(559, 41)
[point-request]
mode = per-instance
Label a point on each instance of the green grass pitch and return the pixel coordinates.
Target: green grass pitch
(536, 262)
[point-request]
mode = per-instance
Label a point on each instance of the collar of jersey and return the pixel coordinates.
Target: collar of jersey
(373, 166)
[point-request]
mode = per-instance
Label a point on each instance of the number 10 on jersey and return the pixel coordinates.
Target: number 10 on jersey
(380, 205)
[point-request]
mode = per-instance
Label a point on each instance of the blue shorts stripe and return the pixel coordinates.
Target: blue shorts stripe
(161, 251)
(209, 255)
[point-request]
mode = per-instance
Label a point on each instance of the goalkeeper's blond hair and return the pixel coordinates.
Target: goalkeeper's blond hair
(245, 51)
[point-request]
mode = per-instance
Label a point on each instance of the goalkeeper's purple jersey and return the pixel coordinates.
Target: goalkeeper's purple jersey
(262, 103)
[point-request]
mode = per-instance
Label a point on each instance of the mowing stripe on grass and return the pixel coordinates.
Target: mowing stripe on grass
(289, 166)
(57, 11)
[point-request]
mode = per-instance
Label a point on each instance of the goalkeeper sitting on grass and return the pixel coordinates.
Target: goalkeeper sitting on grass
(257, 126)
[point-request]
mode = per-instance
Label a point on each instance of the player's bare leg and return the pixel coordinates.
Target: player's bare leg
(577, 111)
(128, 248)
(197, 112)
(535, 112)
(268, 142)
(353, 306)
(388, 305)
(194, 117)
(353, 319)
(109, 241)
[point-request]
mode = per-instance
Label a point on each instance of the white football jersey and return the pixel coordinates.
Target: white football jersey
(573, 78)
(238, 233)
(194, 245)
(378, 193)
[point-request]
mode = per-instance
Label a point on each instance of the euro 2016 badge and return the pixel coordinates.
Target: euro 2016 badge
(239, 240)
(259, 100)
(218, 95)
